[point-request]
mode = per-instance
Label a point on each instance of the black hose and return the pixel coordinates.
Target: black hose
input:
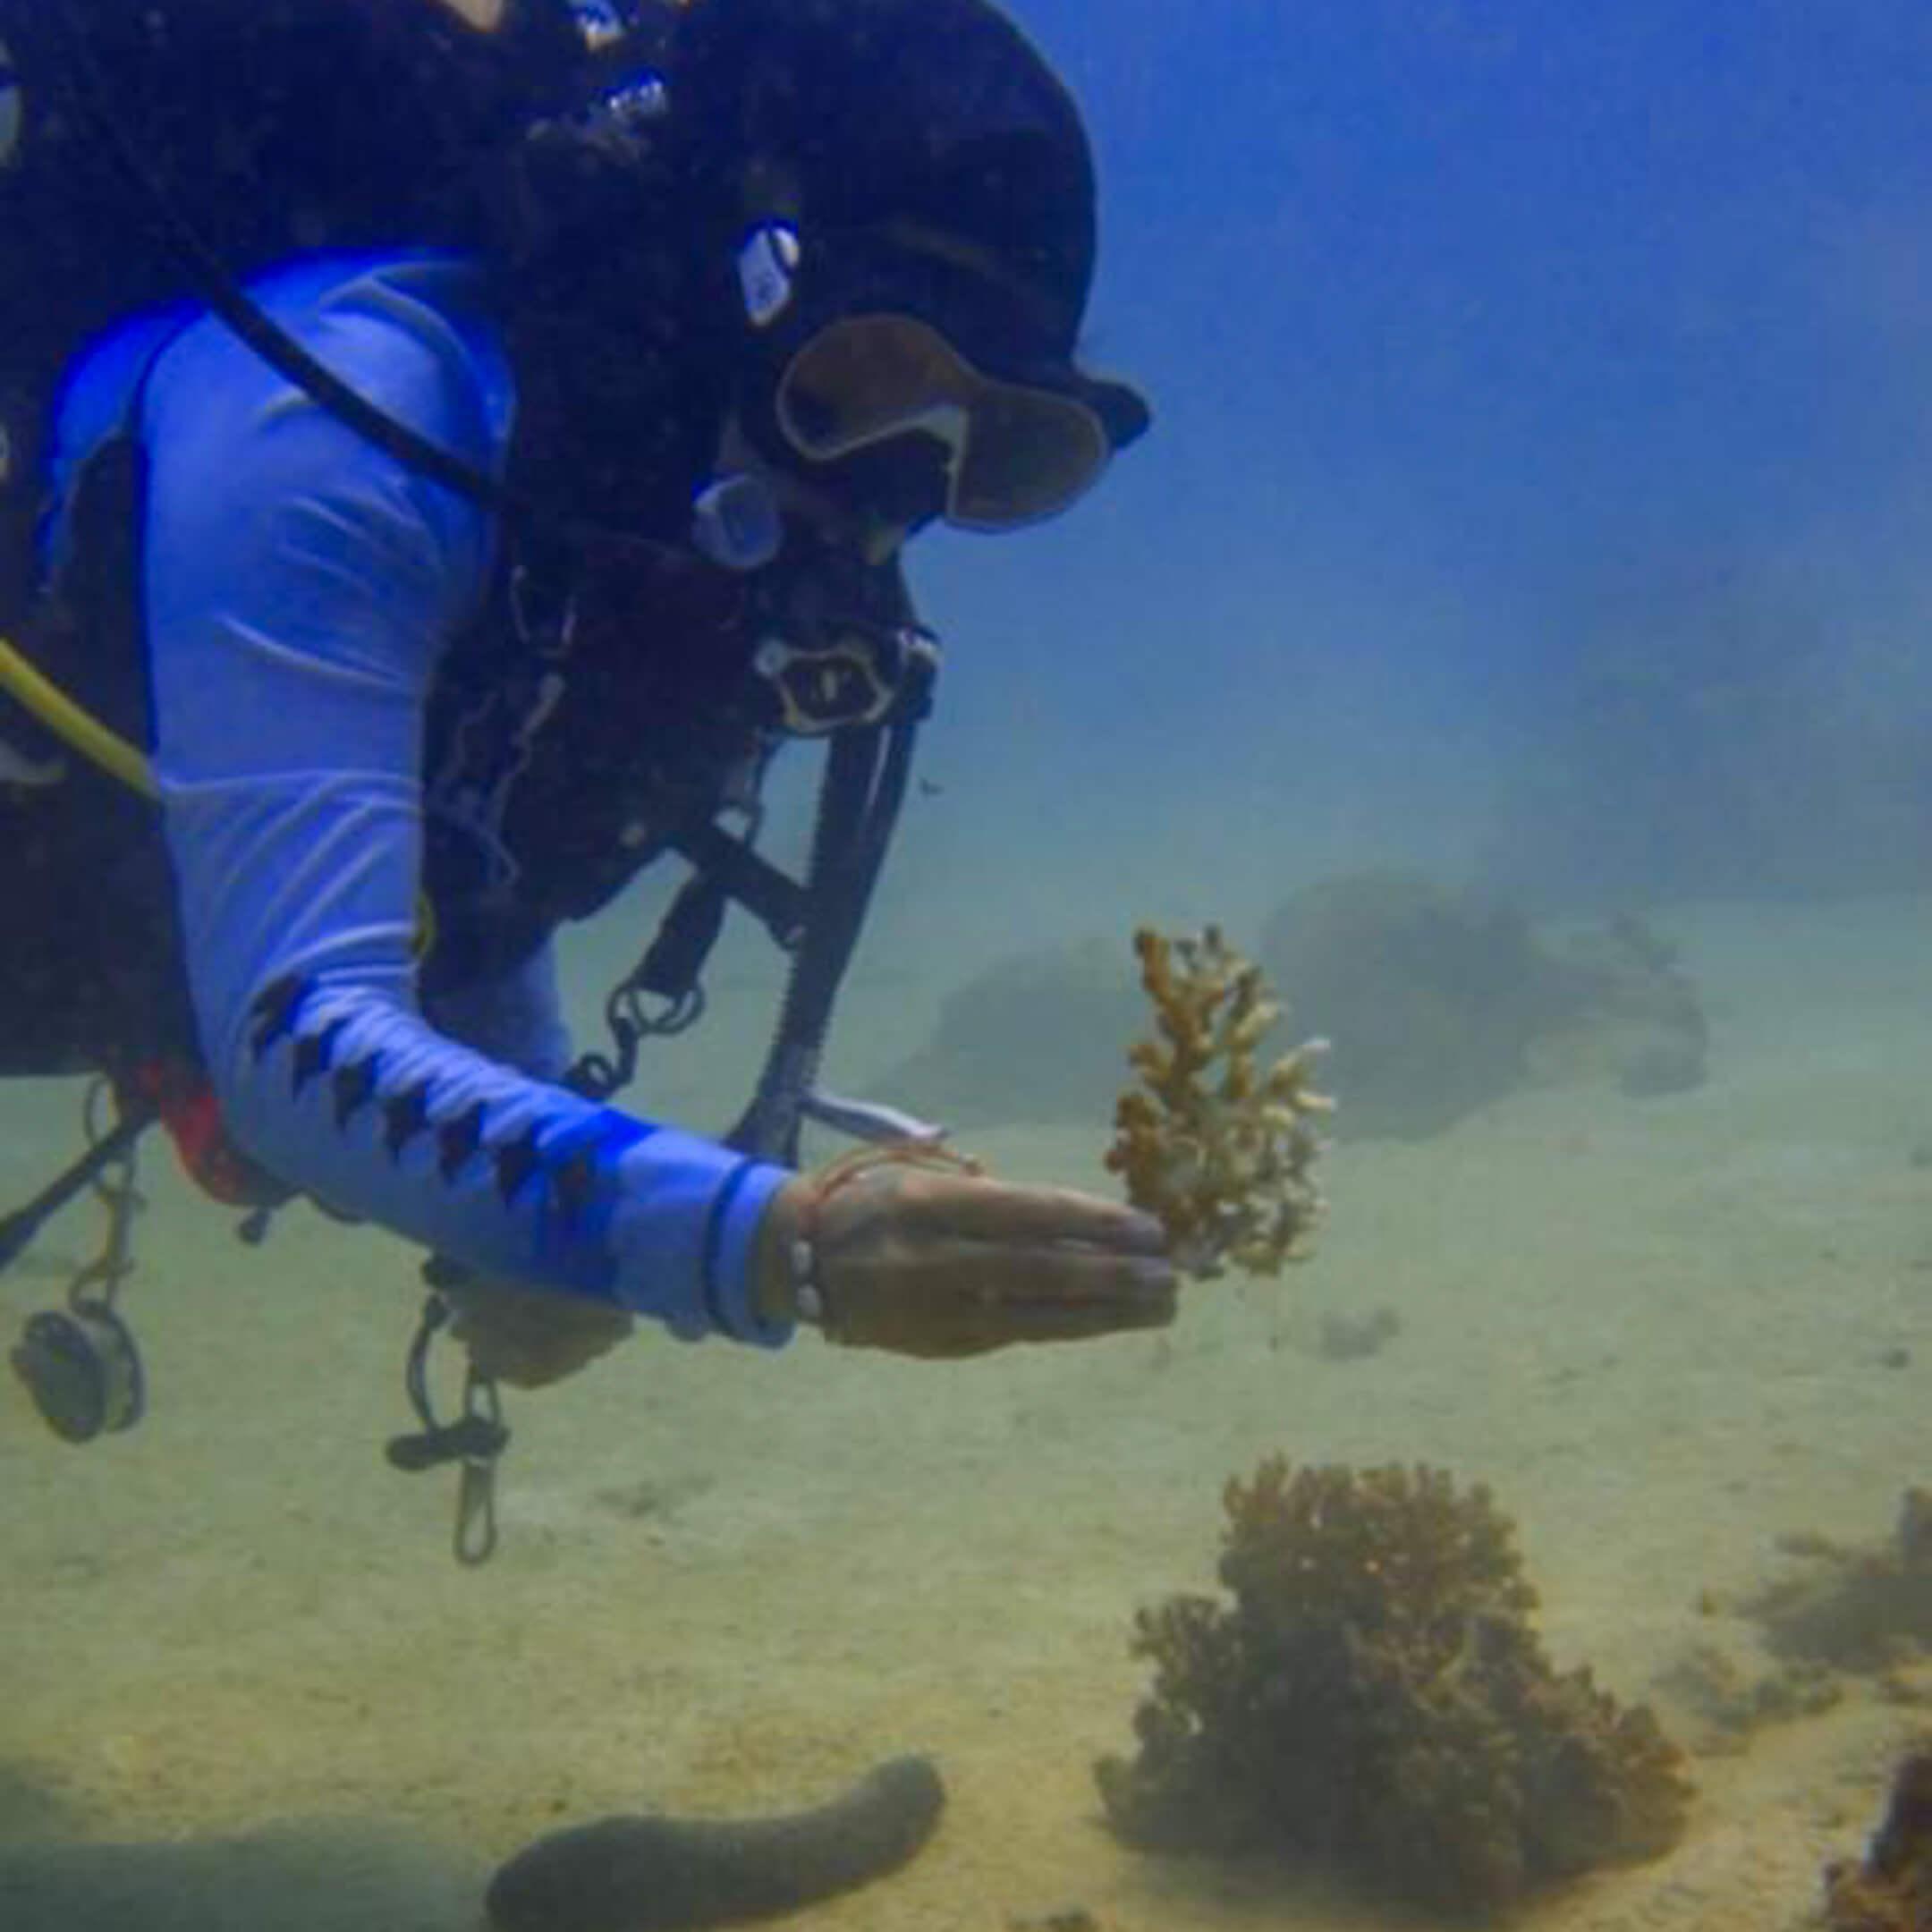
(18, 1228)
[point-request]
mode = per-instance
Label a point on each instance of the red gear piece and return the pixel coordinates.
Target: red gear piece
(180, 1094)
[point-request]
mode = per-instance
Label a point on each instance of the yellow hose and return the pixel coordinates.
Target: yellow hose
(78, 730)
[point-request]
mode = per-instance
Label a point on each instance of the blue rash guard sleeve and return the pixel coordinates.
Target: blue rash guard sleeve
(515, 1017)
(299, 585)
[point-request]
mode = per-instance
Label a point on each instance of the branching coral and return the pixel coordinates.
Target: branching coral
(1219, 1147)
(1892, 1889)
(1376, 1697)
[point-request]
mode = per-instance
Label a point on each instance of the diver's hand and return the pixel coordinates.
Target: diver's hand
(936, 1264)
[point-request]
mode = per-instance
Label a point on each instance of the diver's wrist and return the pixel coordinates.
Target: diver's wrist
(779, 1280)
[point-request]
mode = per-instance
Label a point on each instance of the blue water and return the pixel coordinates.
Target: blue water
(1493, 345)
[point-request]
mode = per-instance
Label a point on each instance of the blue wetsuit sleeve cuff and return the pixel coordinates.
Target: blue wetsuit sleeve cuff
(730, 1253)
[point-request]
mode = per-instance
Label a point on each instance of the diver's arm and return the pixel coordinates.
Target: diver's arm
(513, 1016)
(300, 584)
(525, 1337)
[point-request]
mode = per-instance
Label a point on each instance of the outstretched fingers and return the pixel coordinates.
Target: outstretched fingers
(1074, 1291)
(1035, 1216)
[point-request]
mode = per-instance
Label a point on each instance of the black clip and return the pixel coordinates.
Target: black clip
(475, 1440)
(472, 1439)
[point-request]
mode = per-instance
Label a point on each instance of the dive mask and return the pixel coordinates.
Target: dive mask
(1013, 452)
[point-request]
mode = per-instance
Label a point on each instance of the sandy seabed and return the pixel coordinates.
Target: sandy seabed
(1663, 1331)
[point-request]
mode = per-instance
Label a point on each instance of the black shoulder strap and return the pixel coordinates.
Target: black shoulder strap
(69, 46)
(87, 94)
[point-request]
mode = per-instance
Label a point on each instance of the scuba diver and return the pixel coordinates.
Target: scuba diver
(412, 555)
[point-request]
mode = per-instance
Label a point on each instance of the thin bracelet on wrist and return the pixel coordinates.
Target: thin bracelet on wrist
(808, 1299)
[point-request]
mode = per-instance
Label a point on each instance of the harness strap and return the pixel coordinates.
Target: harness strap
(734, 867)
(866, 773)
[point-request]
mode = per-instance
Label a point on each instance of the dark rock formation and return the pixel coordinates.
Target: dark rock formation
(1436, 1003)
(1042, 1036)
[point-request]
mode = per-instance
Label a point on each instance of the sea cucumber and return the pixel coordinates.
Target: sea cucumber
(653, 1874)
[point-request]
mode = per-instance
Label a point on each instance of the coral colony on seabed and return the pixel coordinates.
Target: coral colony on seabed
(1375, 1698)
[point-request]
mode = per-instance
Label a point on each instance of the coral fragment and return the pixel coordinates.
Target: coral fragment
(1219, 1147)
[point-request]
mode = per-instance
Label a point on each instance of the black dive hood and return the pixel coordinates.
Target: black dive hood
(929, 162)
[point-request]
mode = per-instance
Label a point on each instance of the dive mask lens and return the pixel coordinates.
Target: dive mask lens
(1015, 454)
(1028, 454)
(864, 378)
